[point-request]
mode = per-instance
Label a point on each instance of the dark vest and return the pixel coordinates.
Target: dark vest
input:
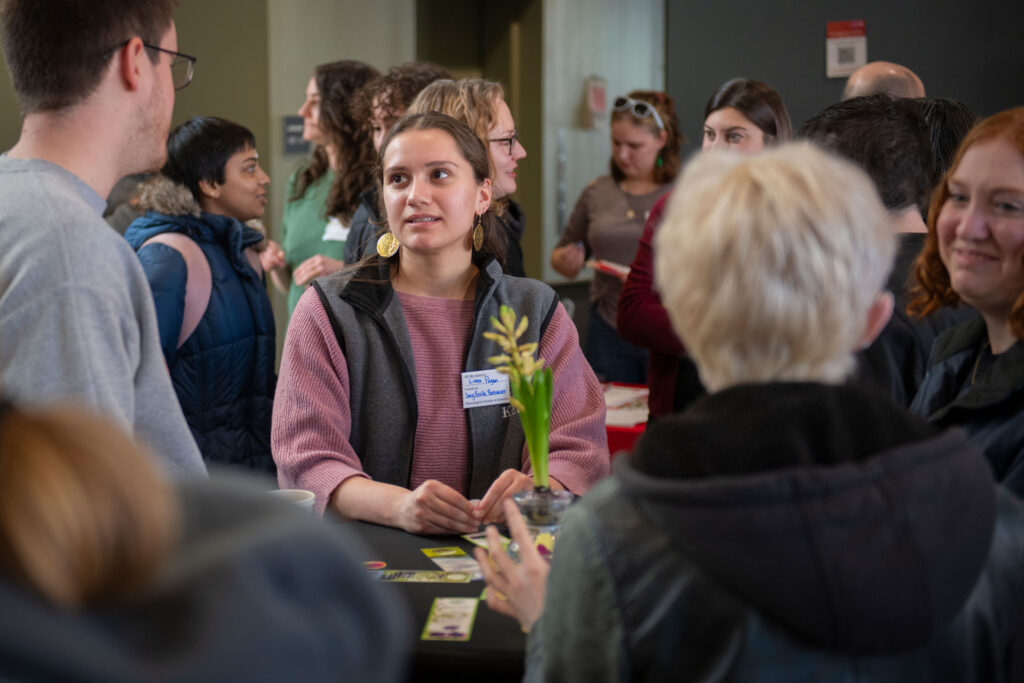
(368, 322)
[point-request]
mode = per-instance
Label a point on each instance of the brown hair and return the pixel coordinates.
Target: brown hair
(471, 149)
(84, 515)
(759, 103)
(394, 90)
(58, 50)
(338, 83)
(671, 161)
(932, 288)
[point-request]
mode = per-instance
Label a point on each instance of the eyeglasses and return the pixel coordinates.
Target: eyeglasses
(183, 66)
(511, 142)
(638, 108)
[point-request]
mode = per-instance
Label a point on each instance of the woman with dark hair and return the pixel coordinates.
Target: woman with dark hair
(115, 574)
(369, 412)
(974, 253)
(742, 115)
(745, 116)
(213, 313)
(323, 196)
(379, 105)
(609, 218)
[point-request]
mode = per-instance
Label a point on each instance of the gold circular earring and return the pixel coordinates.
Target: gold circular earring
(387, 245)
(478, 234)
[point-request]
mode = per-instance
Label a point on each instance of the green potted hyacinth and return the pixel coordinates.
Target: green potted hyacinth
(530, 386)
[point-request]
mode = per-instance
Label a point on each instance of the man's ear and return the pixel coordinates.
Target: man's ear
(878, 317)
(131, 68)
(211, 190)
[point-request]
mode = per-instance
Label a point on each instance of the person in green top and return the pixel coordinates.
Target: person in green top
(323, 194)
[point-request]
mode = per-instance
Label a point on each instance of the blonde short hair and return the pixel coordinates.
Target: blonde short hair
(768, 264)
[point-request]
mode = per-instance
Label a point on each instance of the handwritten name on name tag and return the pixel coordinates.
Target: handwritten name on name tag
(484, 388)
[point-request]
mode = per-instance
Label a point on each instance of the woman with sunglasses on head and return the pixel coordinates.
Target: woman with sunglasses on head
(742, 115)
(481, 105)
(974, 253)
(370, 412)
(609, 219)
(325, 193)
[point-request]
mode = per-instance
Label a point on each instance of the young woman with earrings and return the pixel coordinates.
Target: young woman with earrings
(609, 219)
(370, 410)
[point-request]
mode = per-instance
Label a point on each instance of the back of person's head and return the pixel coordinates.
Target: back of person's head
(58, 50)
(769, 265)
(198, 150)
(933, 289)
(759, 103)
(883, 78)
(669, 155)
(84, 516)
(948, 122)
(393, 91)
(887, 137)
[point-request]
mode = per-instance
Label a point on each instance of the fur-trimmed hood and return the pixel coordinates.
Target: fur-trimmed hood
(161, 194)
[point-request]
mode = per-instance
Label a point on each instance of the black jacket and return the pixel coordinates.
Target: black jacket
(789, 532)
(365, 228)
(984, 395)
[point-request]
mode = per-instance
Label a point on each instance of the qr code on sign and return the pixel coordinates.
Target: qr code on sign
(847, 55)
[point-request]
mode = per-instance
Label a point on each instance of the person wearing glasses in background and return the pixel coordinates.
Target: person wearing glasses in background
(609, 218)
(76, 314)
(481, 105)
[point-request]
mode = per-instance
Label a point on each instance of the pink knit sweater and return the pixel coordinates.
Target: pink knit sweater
(312, 419)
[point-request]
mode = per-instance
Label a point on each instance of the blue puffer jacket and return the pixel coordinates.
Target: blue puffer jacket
(224, 372)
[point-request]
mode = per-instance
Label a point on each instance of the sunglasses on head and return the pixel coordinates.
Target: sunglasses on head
(638, 108)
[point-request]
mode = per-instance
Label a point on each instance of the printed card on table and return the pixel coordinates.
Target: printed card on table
(453, 551)
(450, 619)
(420, 576)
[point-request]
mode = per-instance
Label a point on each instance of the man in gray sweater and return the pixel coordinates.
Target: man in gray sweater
(96, 84)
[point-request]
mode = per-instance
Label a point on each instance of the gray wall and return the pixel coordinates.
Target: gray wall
(973, 52)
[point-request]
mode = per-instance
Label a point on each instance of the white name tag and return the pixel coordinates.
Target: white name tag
(336, 231)
(484, 388)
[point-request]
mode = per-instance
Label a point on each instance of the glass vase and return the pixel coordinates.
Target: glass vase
(542, 510)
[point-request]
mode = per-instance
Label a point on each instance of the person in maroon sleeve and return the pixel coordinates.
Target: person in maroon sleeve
(744, 116)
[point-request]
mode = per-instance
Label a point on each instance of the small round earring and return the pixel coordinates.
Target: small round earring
(387, 245)
(478, 234)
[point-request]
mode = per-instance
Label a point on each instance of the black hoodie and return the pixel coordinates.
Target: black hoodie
(791, 532)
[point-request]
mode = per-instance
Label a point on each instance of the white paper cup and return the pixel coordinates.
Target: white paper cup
(301, 497)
